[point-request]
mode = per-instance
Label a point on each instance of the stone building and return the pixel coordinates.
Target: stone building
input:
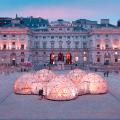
(82, 42)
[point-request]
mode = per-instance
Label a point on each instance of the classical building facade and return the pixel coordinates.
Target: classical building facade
(40, 42)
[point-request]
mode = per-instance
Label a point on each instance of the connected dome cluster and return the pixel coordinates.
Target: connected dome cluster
(61, 86)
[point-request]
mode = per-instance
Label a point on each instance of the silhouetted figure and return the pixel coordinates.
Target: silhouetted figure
(107, 73)
(41, 93)
(104, 74)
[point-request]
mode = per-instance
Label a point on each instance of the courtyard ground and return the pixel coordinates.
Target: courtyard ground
(104, 106)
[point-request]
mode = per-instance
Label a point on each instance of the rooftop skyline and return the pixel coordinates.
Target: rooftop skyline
(63, 9)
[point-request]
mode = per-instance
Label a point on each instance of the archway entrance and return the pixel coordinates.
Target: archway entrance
(52, 58)
(68, 58)
(107, 58)
(60, 57)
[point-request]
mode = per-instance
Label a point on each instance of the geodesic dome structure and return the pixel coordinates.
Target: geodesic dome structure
(44, 75)
(23, 84)
(27, 84)
(76, 76)
(94, 84)
(61, 88)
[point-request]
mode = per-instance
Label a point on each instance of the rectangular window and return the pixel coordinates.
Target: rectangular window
(60, 44)
(52, 44)
(76, 44)
(22, 47)
(44, 45)
(60, 37)
(84, 45)
(68, 37)
(98, 59)
(22, 60)
(22, 53)
(106, 46)
(13, 43)
(52, 37)
(116, 60)
(44, 37)
(84, 59)
(98, 46)
(4, 46)
(4, 35)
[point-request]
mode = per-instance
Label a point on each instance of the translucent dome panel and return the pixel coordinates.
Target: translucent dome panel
(44, 75)
(61, 88)
(95, 83)
(23, 84)
(76, 76)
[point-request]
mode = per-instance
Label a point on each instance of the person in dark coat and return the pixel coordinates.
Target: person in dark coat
(107, 73)
(41, 93)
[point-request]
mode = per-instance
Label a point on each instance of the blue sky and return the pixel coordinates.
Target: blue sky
(66, 9)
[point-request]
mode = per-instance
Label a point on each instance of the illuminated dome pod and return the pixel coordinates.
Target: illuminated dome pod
(61, 88)
(76, 76)
(44, 76)
(95, 84)
(24, 84)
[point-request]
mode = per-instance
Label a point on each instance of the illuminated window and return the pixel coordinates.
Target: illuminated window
(84, 59)
(84, 52)
(76, 58)
(116, 53)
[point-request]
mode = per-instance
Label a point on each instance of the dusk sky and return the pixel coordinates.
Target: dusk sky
(65, 9)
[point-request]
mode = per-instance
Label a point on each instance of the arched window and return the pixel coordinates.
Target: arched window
(52, 58)
(68, 58)
(60, 57)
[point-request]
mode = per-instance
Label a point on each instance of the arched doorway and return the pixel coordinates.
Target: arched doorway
(52, 58)
(13, 59)
(68, 58)
(107, 58)
(60, 57)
